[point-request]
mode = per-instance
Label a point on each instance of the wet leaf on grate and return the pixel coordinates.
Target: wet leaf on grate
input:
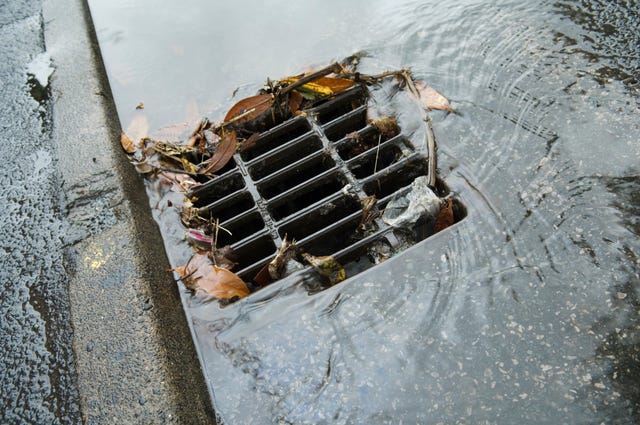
(143, 167)
(321, 87)
(278, 266)
(249, 142)
(127, 143)
(223, 153)
(249, 108)
(295, 100)
(199, 238)
(387, 126)
(327, 266)
(180, 183)
(263, 278)
(432, 99)
(445, 217)
(225, 257)
(201, 275)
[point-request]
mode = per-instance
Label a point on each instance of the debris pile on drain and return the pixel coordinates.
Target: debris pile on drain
(210, 147)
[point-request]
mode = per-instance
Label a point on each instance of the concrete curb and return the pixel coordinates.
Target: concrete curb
(135, 358)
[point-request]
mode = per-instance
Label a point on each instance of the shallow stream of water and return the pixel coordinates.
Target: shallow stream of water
(526, 312)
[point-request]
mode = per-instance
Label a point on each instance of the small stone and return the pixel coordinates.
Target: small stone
(621, 295)
(147, 306)
(90, 347)
(142, 400)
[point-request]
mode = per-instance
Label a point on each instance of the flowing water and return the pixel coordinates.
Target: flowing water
(528, 311)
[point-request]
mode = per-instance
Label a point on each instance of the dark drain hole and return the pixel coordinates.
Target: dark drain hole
(320, 217)
(275, 137)
(375, 161)
(226, 209)
(240, 228)
(217, 188)
(353, 121)
(333, 239)
(281, 158)
(389, 181)
(254, 251)
(294, 176)
(305, 196)
(339, 106)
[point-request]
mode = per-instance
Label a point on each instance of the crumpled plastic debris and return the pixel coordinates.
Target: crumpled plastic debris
(403, 211)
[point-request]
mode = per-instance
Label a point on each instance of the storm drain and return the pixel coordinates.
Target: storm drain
(321, 178)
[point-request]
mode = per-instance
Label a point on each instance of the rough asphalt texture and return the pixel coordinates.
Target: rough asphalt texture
(91, 326)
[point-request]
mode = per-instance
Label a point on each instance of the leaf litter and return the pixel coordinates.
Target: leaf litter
(184, 164)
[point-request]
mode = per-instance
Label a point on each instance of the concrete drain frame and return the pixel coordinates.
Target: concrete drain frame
(306, 178)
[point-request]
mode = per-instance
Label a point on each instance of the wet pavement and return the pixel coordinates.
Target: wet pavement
(86, 303)
(37, 371)
(526, 312)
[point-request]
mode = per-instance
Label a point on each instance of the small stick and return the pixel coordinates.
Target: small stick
(431, 139)
(375, 165)
(334, 67)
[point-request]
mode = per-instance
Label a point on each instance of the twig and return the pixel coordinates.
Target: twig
(431, 139)
(334, 67)
(175, 170)
(375, 165)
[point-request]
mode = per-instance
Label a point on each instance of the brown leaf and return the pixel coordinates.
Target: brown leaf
(224, 151)
(200, 274)
(432, 99)
(263, 278)
(127, 143)
(295, 100)
(445, 217)
(249, 108)
(143, 167)
(387, 126)
(250, 142)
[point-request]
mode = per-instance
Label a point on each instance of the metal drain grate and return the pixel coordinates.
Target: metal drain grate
(305, 178)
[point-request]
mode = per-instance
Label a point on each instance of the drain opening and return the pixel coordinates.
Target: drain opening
(295, 174)
(275, 137)
(322, 174)
(280, 158)
(229, 207)
(306, 194)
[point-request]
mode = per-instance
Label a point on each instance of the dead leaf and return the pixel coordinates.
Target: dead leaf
(387, 126)
(287, 251)
(263, 278)
(445, 217)
(200, 274)
(432, 99)
(249, 108)
(295, 100)
(223, 153)
(127, 143)
(321, 87)
(327, 266)
(250, 142)
(143, 167)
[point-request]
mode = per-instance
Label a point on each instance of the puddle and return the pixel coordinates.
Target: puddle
(526, 312)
